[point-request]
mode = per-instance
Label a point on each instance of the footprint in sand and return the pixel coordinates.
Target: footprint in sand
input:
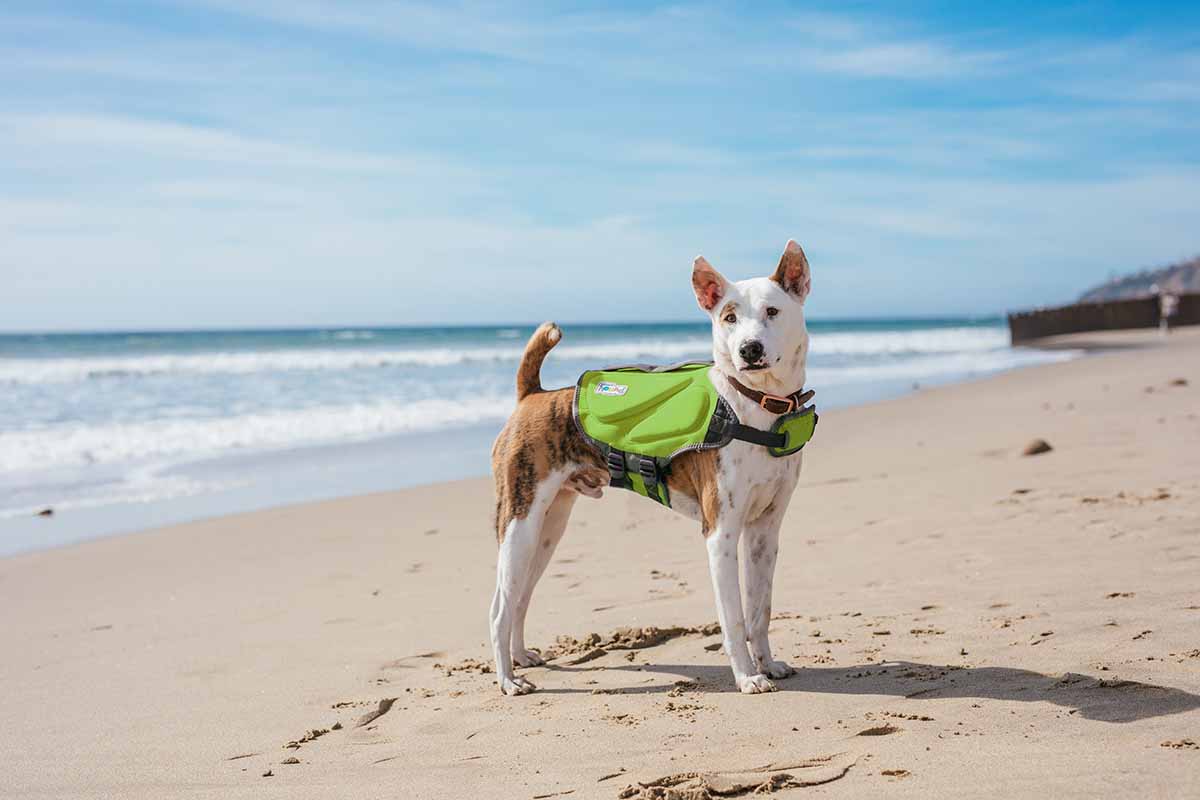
(399, 662)
(710, 785)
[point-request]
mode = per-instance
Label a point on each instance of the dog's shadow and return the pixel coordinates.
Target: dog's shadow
(1106, 700)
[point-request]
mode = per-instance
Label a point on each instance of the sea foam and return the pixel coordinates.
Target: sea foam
(74, 444)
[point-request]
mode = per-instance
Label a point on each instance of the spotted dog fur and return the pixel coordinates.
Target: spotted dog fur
(738, 494)
(539, 439)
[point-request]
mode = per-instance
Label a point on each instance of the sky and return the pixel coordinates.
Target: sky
(258, 163)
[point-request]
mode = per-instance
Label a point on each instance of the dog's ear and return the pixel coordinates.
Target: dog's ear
(710, 286)
(793, 273)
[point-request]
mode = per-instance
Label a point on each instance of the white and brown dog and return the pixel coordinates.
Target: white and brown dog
(738, 493)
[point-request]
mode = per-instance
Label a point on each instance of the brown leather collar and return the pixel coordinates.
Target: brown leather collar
(773, 402)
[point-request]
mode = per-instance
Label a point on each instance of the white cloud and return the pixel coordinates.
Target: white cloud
(180, 141)
(486, 30)
(912, 60)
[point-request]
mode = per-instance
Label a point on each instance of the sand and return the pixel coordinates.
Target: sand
(967, 621)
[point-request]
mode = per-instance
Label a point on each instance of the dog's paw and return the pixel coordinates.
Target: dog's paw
(778, 669)
(755, 684)
(516, 686)
(528, 658)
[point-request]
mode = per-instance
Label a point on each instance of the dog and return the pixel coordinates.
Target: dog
(738, 493)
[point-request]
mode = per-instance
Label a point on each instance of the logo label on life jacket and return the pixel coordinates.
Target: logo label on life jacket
(611, 389)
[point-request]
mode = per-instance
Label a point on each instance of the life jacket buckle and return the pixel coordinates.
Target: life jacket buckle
(648, 469)
(616, 467)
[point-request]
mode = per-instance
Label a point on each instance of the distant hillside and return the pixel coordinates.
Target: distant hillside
(1177, 278)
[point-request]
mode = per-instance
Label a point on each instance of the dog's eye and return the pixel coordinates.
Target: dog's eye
(731, 318)
(772, 312)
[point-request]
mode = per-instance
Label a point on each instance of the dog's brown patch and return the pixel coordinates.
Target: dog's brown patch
(694, 474)
(539, 438)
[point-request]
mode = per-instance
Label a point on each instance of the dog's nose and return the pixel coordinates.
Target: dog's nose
(751, 351)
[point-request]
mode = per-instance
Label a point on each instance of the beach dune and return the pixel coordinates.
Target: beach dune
(966, 621)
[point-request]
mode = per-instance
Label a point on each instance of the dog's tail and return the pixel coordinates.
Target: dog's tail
(529, 379)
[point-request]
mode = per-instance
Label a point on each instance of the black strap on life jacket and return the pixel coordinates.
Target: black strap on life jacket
(724, 425)
(757, 435)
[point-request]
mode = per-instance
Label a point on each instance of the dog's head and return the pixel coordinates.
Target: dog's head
(759, 335)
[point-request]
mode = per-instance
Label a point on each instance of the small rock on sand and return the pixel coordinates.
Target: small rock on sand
(1036, 447)
(1182, 744)
(385, 706)
(880, 730)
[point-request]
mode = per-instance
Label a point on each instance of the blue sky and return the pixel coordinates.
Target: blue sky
(302, 162)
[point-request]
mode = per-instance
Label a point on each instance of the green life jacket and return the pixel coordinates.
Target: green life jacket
(641, 417)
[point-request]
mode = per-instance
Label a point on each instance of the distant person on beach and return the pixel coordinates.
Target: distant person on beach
(1168, 304)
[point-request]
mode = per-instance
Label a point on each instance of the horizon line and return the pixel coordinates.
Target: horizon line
(473, 326)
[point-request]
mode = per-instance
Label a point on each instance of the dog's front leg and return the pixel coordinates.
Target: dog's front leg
(722, 545)
(762, 548)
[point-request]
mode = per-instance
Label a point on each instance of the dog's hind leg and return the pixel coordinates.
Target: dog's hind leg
(514, 568)
(551, 534)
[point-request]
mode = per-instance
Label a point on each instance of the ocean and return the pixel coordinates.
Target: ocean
(119, 431)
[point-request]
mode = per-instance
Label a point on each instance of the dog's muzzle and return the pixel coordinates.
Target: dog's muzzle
(752, 353)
